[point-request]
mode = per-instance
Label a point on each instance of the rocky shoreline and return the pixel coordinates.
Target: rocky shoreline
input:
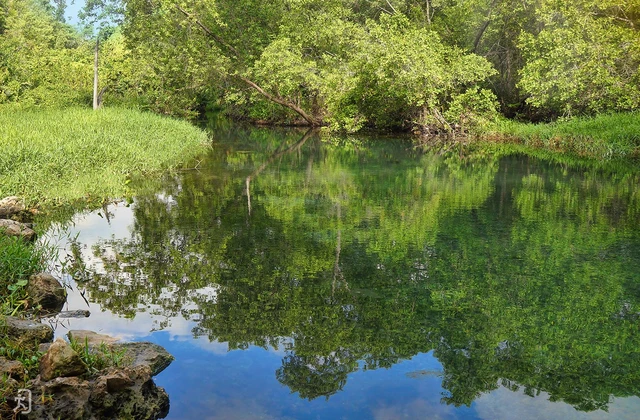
(87, 376)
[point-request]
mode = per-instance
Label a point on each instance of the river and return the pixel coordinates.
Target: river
(294, 277)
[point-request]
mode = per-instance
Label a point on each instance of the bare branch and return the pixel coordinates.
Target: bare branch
(391, 6)
(312, 121)
(208, 31)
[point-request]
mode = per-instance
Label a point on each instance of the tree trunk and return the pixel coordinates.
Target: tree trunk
(312, 121)
(96, 102)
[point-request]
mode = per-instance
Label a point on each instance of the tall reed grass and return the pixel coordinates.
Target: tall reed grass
(607, 136)
(64, 155)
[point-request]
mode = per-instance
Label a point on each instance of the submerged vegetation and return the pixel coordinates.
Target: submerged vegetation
(57, 156)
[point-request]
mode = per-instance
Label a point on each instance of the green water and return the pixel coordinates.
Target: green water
(346, 259)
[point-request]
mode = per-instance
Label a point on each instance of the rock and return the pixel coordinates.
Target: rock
(117, 380)
(78, 313)
(10, 206)
(8, 390)
(11, 368)
(46, 291)
(44, 347)
(64, 398)
(140, 400)
(146, 354)
(91, 338)
(117, 393)
(61, 360)
(13, 228)
(9, 384)
(127, 393)
(26, 330)
(135, 354)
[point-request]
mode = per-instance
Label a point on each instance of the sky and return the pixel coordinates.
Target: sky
(71, 14)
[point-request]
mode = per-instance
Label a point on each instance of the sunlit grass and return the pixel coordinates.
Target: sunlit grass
(60, 156)
(604, 137)
(18, 261)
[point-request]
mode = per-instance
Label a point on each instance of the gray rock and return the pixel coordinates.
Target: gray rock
(26, 330)
(10, 206)
(137, 398)
(92, 339)
(46, 291)
(127, 393)
(78, 313)
(146, 354)
(118, 392)
(11, 368)
(117, 380)
(9, 384)
(135, 354)
(44, 347)
(8, 390)
(61, 360)
(68, 399)
(13, 228)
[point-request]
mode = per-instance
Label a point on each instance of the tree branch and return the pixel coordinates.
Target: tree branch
(391, 6)
(208, 31)
(483, 28)
(269, 161)
(312, 121)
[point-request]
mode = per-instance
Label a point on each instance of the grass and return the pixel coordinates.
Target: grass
(98, 358)
(609, 136)
(55, 156)
(18, 261)
(65, 156)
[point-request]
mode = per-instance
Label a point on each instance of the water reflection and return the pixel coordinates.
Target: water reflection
(336, 259)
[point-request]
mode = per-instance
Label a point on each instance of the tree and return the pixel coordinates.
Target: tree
(101, 17)
(42, 60)
(225, 39)
(309, 60)
(585, 59)
(59, 9)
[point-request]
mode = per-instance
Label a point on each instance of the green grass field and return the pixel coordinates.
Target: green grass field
(607, 136)
(65, 155)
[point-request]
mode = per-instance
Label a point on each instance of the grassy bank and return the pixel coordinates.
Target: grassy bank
(51, 157)
(610, 136)
(61, 156)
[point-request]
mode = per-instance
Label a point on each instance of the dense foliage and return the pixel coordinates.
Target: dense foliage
(42, 61)
(437, 65)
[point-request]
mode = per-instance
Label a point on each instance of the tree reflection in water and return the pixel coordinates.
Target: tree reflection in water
(358, 254)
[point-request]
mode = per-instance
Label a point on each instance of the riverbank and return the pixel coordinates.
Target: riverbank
(55, 157)
(609, 136)
(59, 156)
